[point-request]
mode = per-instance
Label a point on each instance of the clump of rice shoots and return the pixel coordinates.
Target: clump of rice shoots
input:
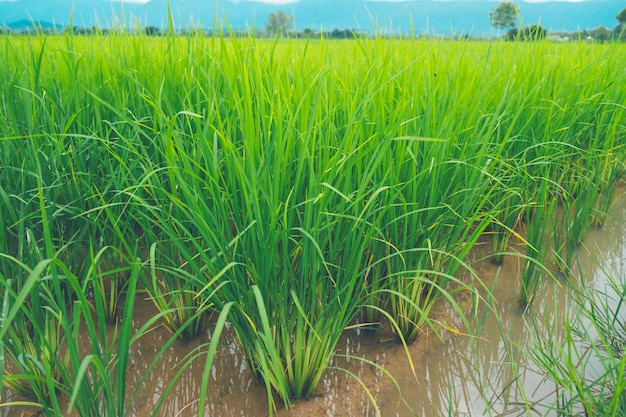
(433, 226)
(612, 169)
(174, 293)
(540, 217)
(507, 208)
(574, 219)
(35, 357)
(35, 339)
(301, 283)
(411, 296)
(108, 278)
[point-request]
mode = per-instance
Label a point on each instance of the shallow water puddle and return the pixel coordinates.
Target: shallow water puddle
(461, 376)
(477, 377)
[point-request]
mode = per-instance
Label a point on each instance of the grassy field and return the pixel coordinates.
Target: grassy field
(292, 188)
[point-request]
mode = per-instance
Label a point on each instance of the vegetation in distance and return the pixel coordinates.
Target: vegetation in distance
(292, 188)
(279, 24)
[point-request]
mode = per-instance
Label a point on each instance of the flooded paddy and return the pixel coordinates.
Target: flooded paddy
(485, 374)
(286, 185)
(462, 376)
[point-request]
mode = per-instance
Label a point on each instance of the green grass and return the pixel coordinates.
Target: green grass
(295, 187)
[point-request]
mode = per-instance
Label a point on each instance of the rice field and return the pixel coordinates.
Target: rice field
(289, 189)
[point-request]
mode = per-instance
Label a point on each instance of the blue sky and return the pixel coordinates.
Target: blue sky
(282, 2)
(423, 15)
(279, 2)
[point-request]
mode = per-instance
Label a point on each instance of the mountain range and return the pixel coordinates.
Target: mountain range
(434, 17)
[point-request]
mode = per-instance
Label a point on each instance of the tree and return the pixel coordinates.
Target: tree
(621, 17)
(619, 32)
(601, 34)
(504, 15)
(152, 31)
(278, 23)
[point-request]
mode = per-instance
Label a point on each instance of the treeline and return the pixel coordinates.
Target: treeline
(155, 31)
(528, 33)
(305, 33)
(537, 32)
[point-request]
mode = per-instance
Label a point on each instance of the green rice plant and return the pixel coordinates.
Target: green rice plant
(35, 359)
(411, 299)
(35, 338)
(97, 377)
(432, 243)
(610, 174)
(508, 209)
(428, 227)
(41, 354)
(109, 276)
(413, 294)
(440, 175)
(574, 221)
(292, 345)
(540, 217)
(298, 244)
(6, 319)
(94, 381)
(51, 365)
(306, 288)
(173, 293)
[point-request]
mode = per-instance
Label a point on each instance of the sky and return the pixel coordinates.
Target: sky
(280, 2)
(283, 2)
(432, 16)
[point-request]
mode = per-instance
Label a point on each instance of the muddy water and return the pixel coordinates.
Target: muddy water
(460, 376)
(488, 375)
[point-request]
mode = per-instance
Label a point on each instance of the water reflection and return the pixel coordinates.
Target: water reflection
(489, 375)
(232, 389)
(483, 375)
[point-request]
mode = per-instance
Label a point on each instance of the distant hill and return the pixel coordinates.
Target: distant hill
(27, 25)
(440, 17)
